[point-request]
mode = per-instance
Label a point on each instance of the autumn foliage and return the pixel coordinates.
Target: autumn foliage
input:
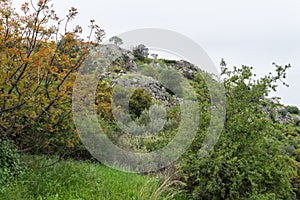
(39, 58)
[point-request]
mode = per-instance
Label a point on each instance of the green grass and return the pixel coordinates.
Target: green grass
(74, 180)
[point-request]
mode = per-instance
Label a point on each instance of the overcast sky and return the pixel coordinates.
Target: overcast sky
(249, 32)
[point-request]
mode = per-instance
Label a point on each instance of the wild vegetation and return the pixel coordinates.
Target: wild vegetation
(256, 157)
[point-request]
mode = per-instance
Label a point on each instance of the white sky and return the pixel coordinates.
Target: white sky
(249, 32)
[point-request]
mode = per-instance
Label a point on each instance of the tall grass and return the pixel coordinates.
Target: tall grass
(66, 180)
(165, 189)
(72, 180)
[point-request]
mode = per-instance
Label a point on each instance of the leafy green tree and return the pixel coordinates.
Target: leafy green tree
(248, 162)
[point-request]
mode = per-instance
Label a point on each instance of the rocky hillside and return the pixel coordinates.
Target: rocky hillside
(131, 70)
(127, 70)
(283, 114)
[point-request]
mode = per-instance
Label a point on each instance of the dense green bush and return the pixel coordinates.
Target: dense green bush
(297, 122)
(10, 164)
(139, 101)
(140, 52)
(293, 109)
(248, 162)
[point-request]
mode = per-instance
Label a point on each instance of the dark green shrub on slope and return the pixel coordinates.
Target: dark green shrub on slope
(293, 110)
(10, 164)
(248, 162)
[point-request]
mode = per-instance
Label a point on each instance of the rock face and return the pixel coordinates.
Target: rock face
(151, 86)
(126, 60)
(281, 115)
(188, 70)
(121, 69)
(117, 56)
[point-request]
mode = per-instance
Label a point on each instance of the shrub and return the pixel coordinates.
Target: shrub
(297, 152)
(293, 109)
(39, 64)
(150, 71)
(139, 101)
(10, 164)
(297, 122)
(248, 161)
(283, 112)
(140, 52)
(172, 80)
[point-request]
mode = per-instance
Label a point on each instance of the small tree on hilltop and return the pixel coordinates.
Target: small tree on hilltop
(116, 40)
(140, 52)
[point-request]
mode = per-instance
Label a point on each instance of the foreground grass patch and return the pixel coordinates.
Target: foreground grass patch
(76, 180)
